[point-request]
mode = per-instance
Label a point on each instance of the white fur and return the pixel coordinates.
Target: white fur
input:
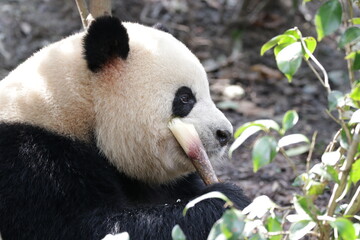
(127, 105)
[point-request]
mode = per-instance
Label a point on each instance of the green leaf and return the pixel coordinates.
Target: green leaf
(300, 229)
(315, 188)
(328, 18)
(274, 225)
(289, 59)
(292, 139)
(355, 93)
(117, 236)
(256, 236)
(232, 224)
(289, 120)
(310, 43)
(215, 232)
(334, 98)
(277, 40)
(294, 32)
(345, 228)
(356, 64)
(355, 172)
(297, 150)
(355, 21)
(246, 126)
(244, 133)
(355, 118)
(350, 55)
(351, 35)
(303, 207)
(331, 158)
(209, 195)
(177, 233)
(268, 124)
(259, 207)
(264, 151)
(249, 129)
(327, 172)
(343, 140)
(333, 173)
(357, 228)
(280, 47)
(300, 180)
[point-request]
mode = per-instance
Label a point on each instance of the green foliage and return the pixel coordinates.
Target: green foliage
(355, 172)
(328, 18)
(310, 44)
(273, 224)
(249, 129)
(264, 151)
(339, 169)
(355, 93)
(289, 120)
(344, 228)
(207, 196)
(289, 50)
(289, 59)
(177, 233)
(299, 229)
(266, 147)
(351, 35)
(334, 99)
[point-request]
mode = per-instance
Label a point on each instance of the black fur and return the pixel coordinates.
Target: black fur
(106, 39)
(183, 102)
(161, 27)
(53, 187)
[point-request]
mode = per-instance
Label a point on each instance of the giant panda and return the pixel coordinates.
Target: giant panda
(85, 150)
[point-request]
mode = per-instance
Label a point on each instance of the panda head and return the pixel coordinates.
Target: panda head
(142, 77)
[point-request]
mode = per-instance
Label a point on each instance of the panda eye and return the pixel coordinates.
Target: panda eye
(184, 102)
(185, 98)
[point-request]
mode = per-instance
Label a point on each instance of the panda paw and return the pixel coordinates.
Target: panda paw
(232, 191)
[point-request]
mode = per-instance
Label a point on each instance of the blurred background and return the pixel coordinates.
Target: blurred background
(226, 35)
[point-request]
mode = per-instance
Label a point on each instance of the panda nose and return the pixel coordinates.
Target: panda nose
(223, 136)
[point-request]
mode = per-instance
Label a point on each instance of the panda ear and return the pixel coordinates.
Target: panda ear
(106, 39)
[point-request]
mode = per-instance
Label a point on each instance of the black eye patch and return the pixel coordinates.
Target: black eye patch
(183, 102)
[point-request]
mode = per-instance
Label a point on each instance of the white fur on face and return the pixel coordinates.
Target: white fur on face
(134, 104)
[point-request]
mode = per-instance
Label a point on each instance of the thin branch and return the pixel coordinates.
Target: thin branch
(345, 169)
(348, 47)
(332, 117)
(325, 81)
(270, 234)
(311, 150)
(83, 11)
(331, 145)
(344, 126)
(354, 205)
(343, 176)
(315, 72)
(290, 161)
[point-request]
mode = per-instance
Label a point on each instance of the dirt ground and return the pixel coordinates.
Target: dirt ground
(227, 36)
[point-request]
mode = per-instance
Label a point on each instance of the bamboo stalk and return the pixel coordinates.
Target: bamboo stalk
(83, 11)
(189, 140)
